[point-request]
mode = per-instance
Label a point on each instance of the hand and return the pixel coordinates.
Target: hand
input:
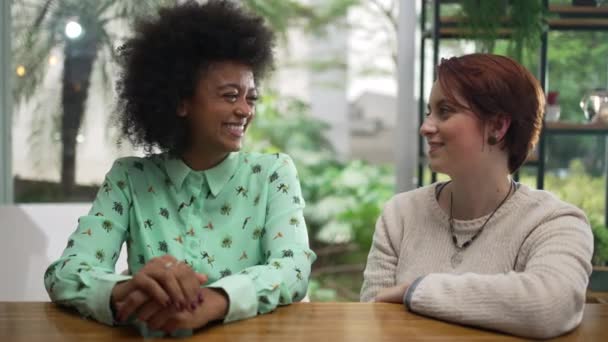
(214, 307)
(164, 279)
(392, 294)
(140, 303)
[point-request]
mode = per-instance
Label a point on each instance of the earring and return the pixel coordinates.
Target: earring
(492, 140)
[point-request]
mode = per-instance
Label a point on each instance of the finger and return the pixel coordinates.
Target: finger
(150, 285)
(131, 304)
(391, 295)
(202, 278)
(169, 283)
(158, 320)
(381, 296)
(189, 284)
(170, 326)
(123, 288)
(148, 309)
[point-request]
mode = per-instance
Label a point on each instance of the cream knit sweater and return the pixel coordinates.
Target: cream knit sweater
(526, 274)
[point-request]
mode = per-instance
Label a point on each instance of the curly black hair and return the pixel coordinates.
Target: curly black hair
(164, 60)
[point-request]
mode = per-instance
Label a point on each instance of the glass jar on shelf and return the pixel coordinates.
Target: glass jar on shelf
(552, 109)
(595, 106)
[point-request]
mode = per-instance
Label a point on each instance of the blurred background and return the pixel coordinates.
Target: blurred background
(345, 102)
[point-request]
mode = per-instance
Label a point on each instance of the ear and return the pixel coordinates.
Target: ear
(499, 126)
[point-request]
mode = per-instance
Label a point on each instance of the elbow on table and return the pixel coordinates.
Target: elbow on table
(300, 293)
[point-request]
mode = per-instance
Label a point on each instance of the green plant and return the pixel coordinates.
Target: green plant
(525, 18)
(39, 31)
(343, 199)
(585, 191)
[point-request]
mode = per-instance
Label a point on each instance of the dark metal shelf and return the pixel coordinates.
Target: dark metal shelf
(578, 24)
(560, 18)
(567, 18)
(567, 128)
(569, 10)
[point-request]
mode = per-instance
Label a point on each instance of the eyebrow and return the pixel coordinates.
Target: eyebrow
(438, 103)
(236, 86)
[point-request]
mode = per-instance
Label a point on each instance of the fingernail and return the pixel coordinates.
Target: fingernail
(200, 297)
(178, 307)
(193, 306)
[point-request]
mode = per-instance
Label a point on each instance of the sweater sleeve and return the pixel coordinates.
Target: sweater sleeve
(544, 300)
(383, 256)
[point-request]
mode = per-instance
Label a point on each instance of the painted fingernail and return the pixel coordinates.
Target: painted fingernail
(200, 297)
(193, 306)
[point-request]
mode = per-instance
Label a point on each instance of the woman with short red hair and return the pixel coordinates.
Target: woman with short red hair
(482, 249)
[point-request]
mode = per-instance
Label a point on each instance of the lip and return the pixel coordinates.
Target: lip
(434, 146)
(235, 129)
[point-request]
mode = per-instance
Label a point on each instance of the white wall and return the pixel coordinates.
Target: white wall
(33, 236)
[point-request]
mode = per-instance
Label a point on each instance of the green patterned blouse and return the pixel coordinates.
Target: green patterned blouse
(241, 223)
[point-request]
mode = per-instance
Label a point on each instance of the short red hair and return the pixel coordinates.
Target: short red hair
(493, 86)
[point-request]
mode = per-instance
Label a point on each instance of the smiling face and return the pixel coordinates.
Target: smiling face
(222, 108)
(454, 135)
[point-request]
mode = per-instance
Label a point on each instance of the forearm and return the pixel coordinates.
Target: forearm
(530, 305)
(87, 291)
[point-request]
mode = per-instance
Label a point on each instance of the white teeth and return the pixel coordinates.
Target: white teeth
(236, 130)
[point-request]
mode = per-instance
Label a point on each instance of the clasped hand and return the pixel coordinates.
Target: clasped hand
(167, 295)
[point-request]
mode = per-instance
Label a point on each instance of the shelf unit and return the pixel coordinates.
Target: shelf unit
(562, 18)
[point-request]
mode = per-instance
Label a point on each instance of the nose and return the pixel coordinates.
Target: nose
(428, 127)
(244, 109)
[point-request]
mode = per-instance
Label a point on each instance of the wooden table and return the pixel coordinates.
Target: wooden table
(306, 322)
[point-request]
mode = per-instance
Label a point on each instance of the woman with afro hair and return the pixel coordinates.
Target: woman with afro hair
(212, 233)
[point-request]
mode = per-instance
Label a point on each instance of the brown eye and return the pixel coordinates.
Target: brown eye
(252, 99)
(444, 111)
(230, 97)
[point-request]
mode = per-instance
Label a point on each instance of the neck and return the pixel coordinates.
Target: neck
(201, 159)
(477, 195)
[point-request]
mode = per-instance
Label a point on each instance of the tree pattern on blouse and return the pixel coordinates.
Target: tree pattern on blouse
(217, 227)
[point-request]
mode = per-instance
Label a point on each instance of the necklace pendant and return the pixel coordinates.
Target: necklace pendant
(456, 259)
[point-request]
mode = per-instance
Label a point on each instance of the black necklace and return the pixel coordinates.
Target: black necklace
(457, 257)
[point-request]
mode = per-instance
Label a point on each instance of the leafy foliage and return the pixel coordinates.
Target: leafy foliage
(39, 26)
(586, 192)
(525, 19)
(343, 199)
